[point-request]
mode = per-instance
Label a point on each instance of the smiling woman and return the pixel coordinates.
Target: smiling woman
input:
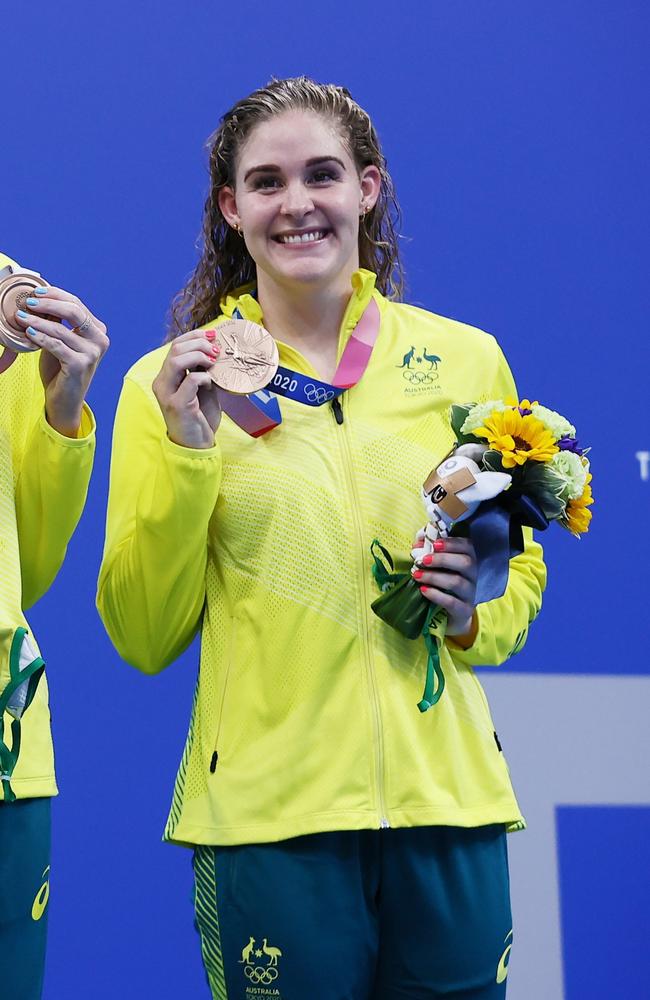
(347, 145)
(300, 218)
(324, 816)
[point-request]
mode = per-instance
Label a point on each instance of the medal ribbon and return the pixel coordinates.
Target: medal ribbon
(259, 412)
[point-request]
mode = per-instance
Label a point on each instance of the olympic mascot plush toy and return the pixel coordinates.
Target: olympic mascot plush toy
(453, 492)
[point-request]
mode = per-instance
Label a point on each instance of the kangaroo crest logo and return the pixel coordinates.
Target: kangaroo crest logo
(420, 367)
(260, 964)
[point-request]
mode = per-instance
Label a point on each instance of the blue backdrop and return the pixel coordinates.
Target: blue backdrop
(517, 138)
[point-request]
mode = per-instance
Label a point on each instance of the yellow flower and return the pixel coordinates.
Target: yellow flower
(524, 405)
(577, 516)
(518, 438)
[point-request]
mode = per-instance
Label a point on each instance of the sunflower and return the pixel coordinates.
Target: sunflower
(577, 517)
(518, 438)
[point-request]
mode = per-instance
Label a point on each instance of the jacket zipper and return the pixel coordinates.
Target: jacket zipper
(352, 489)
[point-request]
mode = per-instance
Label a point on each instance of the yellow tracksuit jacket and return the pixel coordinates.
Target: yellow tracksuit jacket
(43, 484)
(305, 714)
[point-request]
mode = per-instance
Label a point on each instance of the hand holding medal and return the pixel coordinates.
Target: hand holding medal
(207, 371)
(16, 286)
(37, 316)
(187, 396)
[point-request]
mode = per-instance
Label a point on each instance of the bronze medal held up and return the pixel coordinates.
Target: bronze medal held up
(248, 357)
(16, 286)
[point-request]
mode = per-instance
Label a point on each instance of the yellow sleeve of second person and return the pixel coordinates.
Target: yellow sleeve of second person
(152, 580)
(50, 494)
(52, 475)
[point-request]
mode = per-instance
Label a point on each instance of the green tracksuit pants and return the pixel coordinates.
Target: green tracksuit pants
(24, 892)
(404, 914)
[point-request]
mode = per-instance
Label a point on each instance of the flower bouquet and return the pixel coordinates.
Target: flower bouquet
(513, 464)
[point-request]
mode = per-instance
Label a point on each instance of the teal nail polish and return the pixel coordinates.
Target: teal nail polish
(32, 332)
(32, 302)
(23, 315)
(40, 291)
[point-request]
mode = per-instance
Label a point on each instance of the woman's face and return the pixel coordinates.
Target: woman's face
(298, 197)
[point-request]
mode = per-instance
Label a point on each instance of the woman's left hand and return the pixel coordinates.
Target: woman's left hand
(448, 577)
(69, 357)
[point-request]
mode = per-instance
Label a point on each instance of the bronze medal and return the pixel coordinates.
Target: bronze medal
(16, 286)
(248, 359)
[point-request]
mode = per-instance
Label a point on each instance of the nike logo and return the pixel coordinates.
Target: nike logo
(502, 968)
(41, 898)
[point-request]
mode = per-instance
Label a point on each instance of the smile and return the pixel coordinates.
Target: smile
(312, 236)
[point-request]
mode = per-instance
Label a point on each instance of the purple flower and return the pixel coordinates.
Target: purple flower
(570, 444)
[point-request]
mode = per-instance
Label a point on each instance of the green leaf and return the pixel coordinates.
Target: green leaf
(540, 482)
(458, 416)
(492, 461)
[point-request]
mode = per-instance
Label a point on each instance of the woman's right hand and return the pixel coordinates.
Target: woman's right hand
(185, 392)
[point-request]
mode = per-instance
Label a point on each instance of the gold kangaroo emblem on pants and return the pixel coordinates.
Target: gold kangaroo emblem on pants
(247, 952)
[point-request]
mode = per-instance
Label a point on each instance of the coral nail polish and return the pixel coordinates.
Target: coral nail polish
(426, 560)
(439, 545)
(423, 590)
(210, 334)
(417, 574)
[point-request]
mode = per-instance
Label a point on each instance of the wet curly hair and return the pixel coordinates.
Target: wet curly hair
(225, 263)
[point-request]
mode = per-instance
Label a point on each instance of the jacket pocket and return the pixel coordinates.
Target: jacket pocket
(214, 759)
(483, 699)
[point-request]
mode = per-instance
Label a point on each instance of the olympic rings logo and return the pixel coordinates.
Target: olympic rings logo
(418, 378)
(316, 393)
(258, 974)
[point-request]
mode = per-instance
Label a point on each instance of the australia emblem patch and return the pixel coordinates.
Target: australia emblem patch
(260, 963)
(420, 369)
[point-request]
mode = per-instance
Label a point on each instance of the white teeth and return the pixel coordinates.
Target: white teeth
(316, 234)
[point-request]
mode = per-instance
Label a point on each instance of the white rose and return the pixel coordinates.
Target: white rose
(557, 425)
(572, 470)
